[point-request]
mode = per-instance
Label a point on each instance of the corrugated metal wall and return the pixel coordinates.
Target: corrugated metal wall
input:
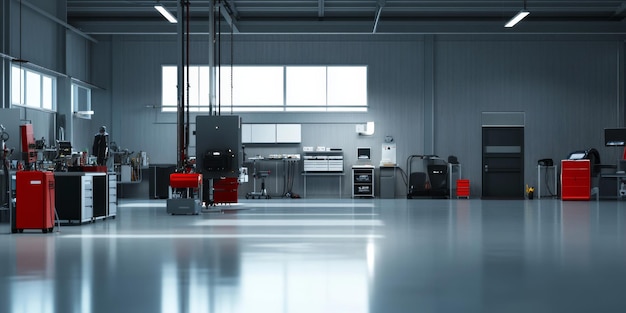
(568, 90)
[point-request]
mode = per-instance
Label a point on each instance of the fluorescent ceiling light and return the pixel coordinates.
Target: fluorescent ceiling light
(518, 17)
(166, 14)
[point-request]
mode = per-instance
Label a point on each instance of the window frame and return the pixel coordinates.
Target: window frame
(44, 98)
(228, 91)
(85, 113)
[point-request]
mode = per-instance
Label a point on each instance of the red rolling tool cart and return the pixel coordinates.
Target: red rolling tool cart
(575, 180)
(34, 201)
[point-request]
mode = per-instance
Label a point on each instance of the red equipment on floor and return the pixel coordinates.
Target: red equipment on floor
(34, 201)
(575, 180)
(185, 194)
(462, 188)
(225, 190)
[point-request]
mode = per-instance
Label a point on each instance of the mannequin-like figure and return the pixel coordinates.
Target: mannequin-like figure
(101, 146)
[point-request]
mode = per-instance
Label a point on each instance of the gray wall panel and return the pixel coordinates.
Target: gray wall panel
(77, 56)
(101, 101)
(35, 38)
(83, 134)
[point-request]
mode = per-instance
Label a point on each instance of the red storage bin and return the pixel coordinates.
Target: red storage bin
(225, 190)
(34, 201)
(462, 188)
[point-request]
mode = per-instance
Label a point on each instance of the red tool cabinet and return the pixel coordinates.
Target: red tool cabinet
(225, 190)
(34, 201)
(575, 180)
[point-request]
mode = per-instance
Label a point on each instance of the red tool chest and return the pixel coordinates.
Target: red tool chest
(462, 188)
(225, 190)
(575, 180)
(34, 201)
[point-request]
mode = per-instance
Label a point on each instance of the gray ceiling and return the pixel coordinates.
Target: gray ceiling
(351, 16)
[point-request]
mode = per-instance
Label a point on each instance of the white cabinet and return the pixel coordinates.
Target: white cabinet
(323, 161)
(126, 173)
(263, 133)
(288, 133)
(246, 133)
(271, 133)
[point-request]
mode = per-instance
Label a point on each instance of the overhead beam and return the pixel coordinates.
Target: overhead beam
(225, 11)
(364, 26)
(379, 10)
(619, 12)
(232, 9)
(56, 20)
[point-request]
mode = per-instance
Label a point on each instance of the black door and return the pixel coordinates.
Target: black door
(503, 162)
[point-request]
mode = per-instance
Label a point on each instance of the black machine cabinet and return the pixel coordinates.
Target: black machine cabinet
(218, 148)
(433, 182)
(438, 176)
(83, 197)
(218, 145)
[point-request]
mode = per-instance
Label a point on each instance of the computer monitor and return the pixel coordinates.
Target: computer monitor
(615, 136)
(363, 154)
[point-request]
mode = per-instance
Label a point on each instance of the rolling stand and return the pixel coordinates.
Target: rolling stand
(183, 199)
(259, 194)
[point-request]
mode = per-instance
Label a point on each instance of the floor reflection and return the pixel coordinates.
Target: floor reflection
(374, 256)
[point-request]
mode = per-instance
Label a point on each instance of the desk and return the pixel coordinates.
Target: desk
(547, 173)
(289, 165)
(619, 178)
(333, 174)
(387, 188)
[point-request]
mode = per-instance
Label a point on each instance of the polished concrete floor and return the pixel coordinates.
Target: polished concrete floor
(362, 255)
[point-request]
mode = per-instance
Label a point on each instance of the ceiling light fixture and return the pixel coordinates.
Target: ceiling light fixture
(166, 14)
(518, 17)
